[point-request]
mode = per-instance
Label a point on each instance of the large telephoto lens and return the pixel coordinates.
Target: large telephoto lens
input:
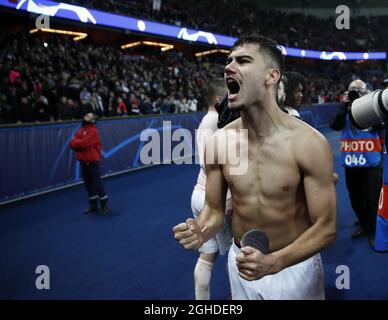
(370, 109)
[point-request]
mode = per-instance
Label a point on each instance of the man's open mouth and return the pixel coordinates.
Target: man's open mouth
(233, 88)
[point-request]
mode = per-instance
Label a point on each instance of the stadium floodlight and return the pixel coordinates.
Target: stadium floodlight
(170, 47)
(163, 46)
(131, 45)
(205, 53)
(78, 35)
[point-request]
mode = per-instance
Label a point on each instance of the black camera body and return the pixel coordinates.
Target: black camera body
(353, 95)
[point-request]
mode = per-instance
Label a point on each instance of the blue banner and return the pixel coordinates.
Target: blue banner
(38, 158)
(318, 115)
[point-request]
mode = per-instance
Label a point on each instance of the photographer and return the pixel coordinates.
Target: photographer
(362, 158)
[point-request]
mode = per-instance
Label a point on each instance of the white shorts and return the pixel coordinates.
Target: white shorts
(302, 281)
(222, 241)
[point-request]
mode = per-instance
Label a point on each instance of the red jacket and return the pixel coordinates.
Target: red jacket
(86, 143)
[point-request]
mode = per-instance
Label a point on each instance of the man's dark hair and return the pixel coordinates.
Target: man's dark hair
(294, 79)
(214, 87)
(268, 47)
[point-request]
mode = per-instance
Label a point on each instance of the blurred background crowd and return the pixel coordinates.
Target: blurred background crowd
(56, 78)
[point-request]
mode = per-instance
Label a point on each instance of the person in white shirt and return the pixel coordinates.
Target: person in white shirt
(222, 241)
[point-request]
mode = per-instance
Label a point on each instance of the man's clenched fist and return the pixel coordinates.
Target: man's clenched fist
(189, 234)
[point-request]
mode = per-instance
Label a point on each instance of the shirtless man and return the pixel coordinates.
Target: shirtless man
(287, 191)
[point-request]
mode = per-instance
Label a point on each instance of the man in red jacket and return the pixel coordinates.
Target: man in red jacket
(86, 143)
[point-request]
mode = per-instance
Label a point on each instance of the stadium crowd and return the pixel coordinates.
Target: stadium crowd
(56, 78)
(289, 29)
(65, 79)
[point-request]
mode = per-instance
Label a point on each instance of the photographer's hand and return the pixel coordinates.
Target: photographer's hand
(345, 97)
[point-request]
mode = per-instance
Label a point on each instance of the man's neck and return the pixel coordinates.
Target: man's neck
(261, 120)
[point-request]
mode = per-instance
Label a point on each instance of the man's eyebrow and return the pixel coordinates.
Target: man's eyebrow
(244, 57)
(239, 57)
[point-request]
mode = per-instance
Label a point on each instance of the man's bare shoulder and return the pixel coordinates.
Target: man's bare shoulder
(301, 131)
(309, 145)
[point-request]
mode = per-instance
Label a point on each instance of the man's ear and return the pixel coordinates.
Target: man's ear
(272, 77)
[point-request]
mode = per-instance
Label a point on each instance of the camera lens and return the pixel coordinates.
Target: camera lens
(370, 109)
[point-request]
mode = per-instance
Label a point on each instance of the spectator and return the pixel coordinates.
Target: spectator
(64, 110)
(98, 104)
(193, 104)
(146, 107)
(183, 105)
(296, 84)
(42, 111)
(26, 110)
(121, 108)
(134, 103)
(85, 96)
(13, 112)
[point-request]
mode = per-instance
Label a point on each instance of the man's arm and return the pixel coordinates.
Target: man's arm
(314, 158)
(193, 233)
(211, 218)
